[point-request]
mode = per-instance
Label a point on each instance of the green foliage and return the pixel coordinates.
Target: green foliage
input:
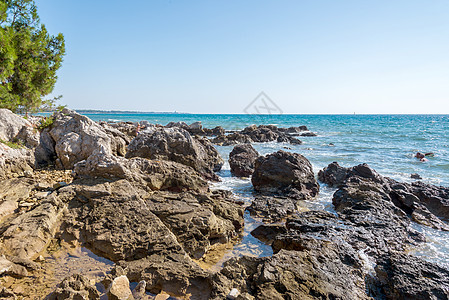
(13, 145)
(29, 57)
(45, 122)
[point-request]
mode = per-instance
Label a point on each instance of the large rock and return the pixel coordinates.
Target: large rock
(401, 276)
(260, 134)
(176, 144)
(119, 289)
(286, 174)
(28, 234)
(11, 124)
(77, 137)
(242, 159)
(147, 236)
(154, 175)
(323, 270)
(75, 287)
(15, 162)
(423, 202)
(12, 191)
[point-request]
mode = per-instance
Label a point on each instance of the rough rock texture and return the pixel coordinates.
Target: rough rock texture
(422, 202)
(9, 268)
(119, 289)
(12, 191)
(198, 221)
(151, 235)
(401, 276)
(323, 270)
(176, 144)
(155, 175)
(261, 134)
(29, 233)
(75, 287)
(11, 124)
(273, 209)
(242, 159)
(76, 137)
(285, 174)
(7, 294)
(15, 162)
(45, 152)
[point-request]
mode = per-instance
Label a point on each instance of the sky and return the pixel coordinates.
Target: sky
(308, 57)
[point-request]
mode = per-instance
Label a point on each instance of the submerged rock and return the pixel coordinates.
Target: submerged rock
(242, 159)
(285, 174)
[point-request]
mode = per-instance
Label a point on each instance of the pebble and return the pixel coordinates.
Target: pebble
(233, 294)
(60, 184)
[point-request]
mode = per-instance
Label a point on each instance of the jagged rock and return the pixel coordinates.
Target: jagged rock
(198, 221)
(9, 268)
(139, 291)
(15, 162)
(273, 209)
(155, 175)
(77, 137)
(7, 294)
(285, 174)
(11, 124)
(170, 272)
(325, 270)
(45, 152)
(401, 276)
(75, 287)
(119, 289)
(176, 144)
(268, 232)
(242, 159)
(423, 202)
(258, 134)
(29, 233)
(12, 191)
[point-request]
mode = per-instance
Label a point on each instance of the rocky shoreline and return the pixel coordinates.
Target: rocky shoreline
(131, 205)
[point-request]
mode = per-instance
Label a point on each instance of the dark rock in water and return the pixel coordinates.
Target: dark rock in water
(415, 176)
(285, 174)
(423, 202)
(401, 276)
(176, 144)
(75, 287)
(273, 209)
(324, 270)
(260, 134)
(242, 159)
(268, 232)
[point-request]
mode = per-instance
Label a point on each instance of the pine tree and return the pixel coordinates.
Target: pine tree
(29, 57)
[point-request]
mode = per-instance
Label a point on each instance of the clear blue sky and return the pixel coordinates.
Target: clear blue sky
(216, 56)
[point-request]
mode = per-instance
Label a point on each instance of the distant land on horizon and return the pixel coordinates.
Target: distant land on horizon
(93, 111)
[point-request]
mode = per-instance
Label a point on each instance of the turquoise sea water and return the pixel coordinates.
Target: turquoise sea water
(386, 142)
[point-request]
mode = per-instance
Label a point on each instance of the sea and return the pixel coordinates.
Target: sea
(387, 143)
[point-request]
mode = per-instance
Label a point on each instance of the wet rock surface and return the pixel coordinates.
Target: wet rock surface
(242, 159)
(285, 174)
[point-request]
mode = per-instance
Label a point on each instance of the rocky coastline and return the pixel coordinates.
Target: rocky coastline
(129, 208)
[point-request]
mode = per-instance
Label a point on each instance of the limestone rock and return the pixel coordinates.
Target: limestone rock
(176, 144)
(11, 124)
(119, 289)
(15, 162)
